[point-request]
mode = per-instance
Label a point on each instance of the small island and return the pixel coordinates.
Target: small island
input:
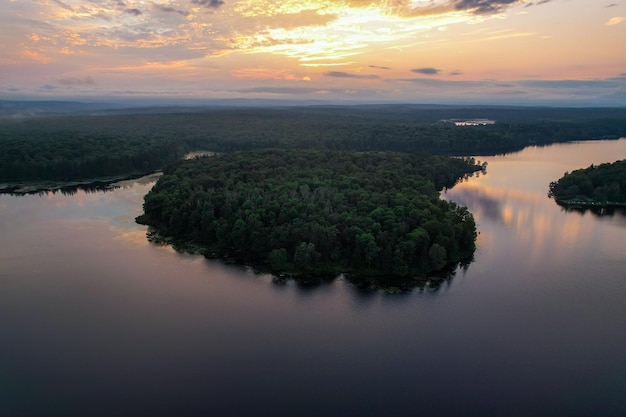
(598, 186)
(374, 216)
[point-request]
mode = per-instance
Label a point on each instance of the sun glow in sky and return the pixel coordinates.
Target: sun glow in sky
(501, 51)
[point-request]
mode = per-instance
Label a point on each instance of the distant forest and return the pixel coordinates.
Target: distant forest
(603, 185)
(70, 147)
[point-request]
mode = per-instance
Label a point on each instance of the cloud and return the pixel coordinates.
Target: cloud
(262, 73)
(341, 74)
(415, 8)
(282, 90)
(213, 4)
(71, 81)
(446, 84)
(607, 83)
(168, 9)
(64, 5)
(610, 5)
(134, 12)
(490, 6)
(538, 3)
(426, 71)
(312, 92)
(456, 72)
(511, 93)
(615, 21)
(289, 20)
(378, 67)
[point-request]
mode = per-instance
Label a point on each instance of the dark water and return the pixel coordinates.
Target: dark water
(95, 321)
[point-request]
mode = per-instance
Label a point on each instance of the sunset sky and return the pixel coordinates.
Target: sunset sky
(425, 51)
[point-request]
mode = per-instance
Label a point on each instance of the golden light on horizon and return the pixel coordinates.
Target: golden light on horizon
(338, 31)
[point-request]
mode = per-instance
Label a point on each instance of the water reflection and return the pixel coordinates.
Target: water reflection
(431, 284)
(596, 211)
(482, 203)
(516, 219)
(73, 188)
(65, 190)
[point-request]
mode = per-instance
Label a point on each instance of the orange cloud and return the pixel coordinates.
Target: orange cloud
(615, 21)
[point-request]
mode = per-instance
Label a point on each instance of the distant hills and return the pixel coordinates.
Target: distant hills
(16, 109)
(49, 108)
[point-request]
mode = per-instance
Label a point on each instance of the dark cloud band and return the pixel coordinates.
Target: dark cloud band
(213, 4)
(490, 6)
(168, 9)
(341, 74)
(134, 12)
(426, 71)
(484, 6)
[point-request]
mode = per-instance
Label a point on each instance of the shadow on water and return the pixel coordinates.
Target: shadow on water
(431, 283)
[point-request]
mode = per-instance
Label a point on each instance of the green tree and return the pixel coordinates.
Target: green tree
(437, 256)
(367, 244)
(304, 257)
(278, 259)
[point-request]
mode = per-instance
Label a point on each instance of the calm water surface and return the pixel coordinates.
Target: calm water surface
(96, 321)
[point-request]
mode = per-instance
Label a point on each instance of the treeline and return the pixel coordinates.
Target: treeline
(603, 184)
(316, 213)
(75, 147)
(68, 148)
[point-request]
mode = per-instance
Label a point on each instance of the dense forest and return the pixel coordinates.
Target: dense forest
(318, 213)
(70, 147)
(597, 185)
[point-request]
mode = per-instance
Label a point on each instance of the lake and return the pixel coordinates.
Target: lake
(97, 321)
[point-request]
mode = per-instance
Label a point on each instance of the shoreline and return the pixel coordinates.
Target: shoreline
(90, 184)
(590, 204)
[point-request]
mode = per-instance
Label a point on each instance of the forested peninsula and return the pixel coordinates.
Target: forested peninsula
(601, 185)
(375, 216)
